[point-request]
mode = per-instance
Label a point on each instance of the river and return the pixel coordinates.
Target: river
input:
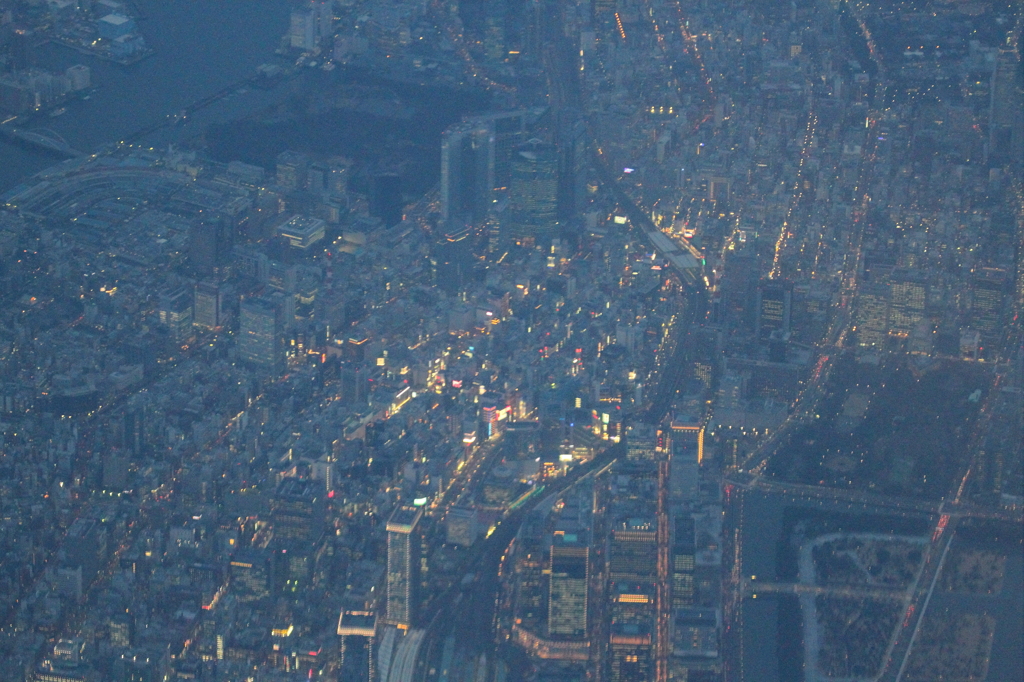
(201, 47)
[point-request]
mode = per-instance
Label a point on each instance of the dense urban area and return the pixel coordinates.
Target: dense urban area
(500, 340)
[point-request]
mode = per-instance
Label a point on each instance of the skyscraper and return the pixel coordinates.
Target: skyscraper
(567, 602)
(302, 33)
(509, 131)
(633, 551)
(297, 510)
(686, 453)
(872, 316)
(261, 333)
(208, 305)
(988, 303)
(1006, 124)
(250, 574)
(533, 193)
(774, 306)
(386, 198)
(403, 566)
(176, 314)
(291, 170)
(683, 551)
(467, 171)
(907, 299)
(641, 442)
(572, 167)
(630, 645)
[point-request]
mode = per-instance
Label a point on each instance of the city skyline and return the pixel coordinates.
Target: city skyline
(611, 341)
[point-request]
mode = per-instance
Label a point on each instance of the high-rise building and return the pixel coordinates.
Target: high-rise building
(323, 16)
(686, 454)
(250, 574)
(567, 601)
(210, 243)
(572, 167)
(115, 470)
(509, 131)
(119, 629)
(292, 168)
(1006, 125)
(988, 303)
(642, 442)
(461, 526)
(452, 257)
(739, 285)
(906, 307)
(208, 305)
(297, 510)
(302, 33)
(633, 551)
(176, 314)
(533, 192)
(467, 171)
(872, 316)
(683, 553)
(774, 307)
(357, 630)
(403, 565)
(261, 329)
(630, 648)
(386, 198)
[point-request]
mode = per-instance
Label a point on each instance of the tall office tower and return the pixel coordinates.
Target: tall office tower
(250, 574)
(323, 15)
(988, 303)
(20, 48)
(291, 170)
(683, 552)
(567, 596)
(906, 307)
(774, 307)
(467, 171)
(494, 32)
(685, 472)
(261, 332)
(357, 630)
(403, 566)
(1006, 124)
(633, 550)
(119, 629)
(210, 244)
(872, 316)
(208, 304)
(302, 33)
(1019, 293)
(297, 510)
(630, 648)
(739, 285)
(642, 442)
(115, 470)
(571, 135)
(630, 638)
(386, 198)
(509, 133)
(632, 602)
(461, 526)
(176, 314)
(533, 193)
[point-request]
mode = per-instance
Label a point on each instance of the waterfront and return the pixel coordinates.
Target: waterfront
(201, 47)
